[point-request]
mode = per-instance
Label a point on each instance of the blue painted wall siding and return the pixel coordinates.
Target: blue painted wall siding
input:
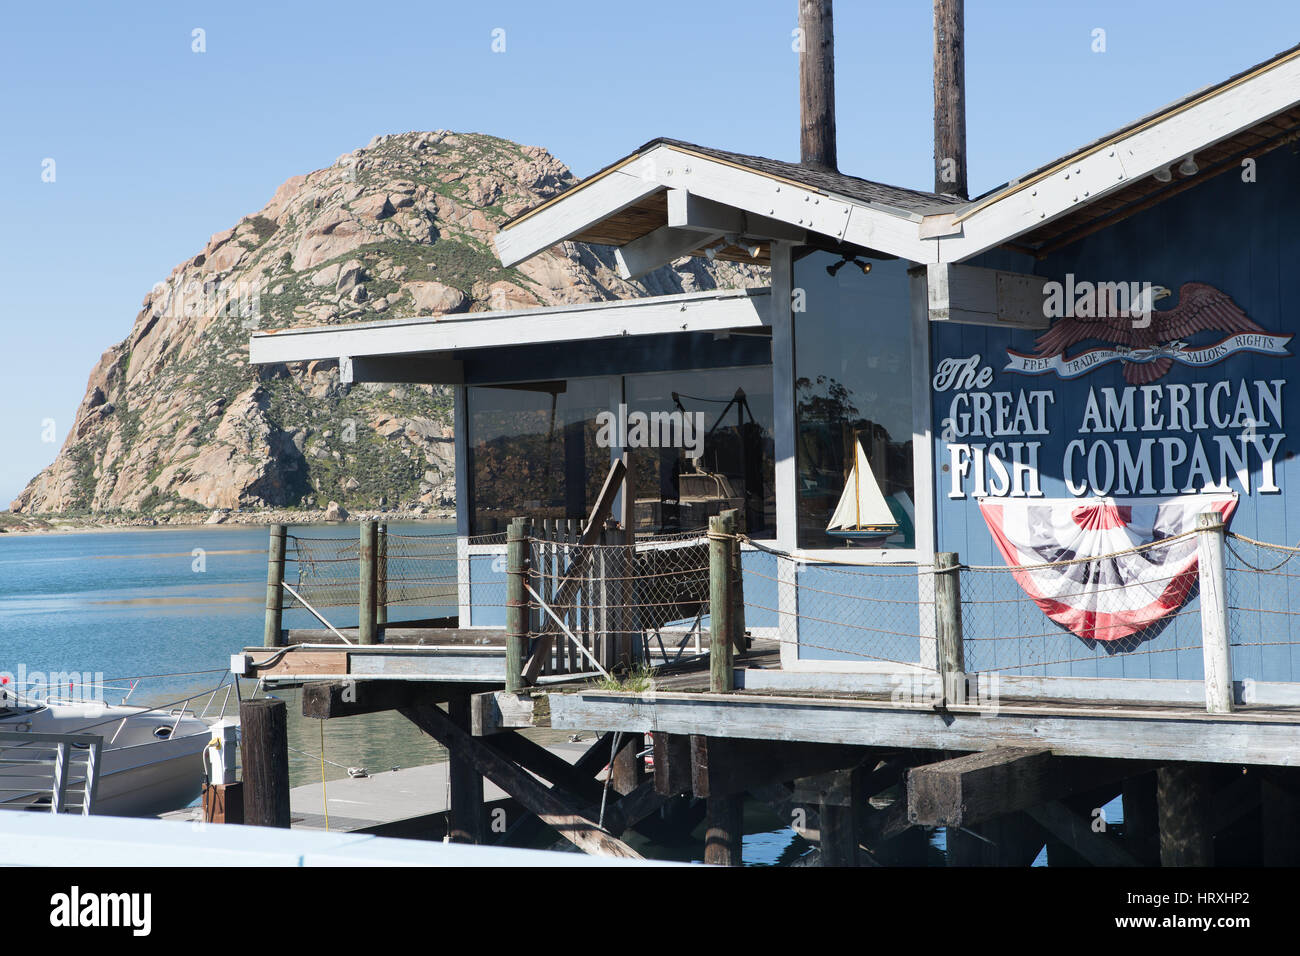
(865, 615)
(1240, 238)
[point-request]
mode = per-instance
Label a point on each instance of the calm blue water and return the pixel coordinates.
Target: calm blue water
(132, 603)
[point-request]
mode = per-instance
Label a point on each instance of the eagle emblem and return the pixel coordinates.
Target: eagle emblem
(1148, 349)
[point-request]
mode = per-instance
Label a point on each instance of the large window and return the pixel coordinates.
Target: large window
(533, 451)
(853, 403)
(724, 457)
(699, 441)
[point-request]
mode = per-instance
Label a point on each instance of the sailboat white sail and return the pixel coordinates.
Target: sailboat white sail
(862, 507)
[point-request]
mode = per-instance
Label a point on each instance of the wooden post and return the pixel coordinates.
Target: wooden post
(1142, 818)
(737, 587)
(816, 84)
(265, 745)
(367, 624)
(1214, 614)
(949, 98)
(1184, 795)
(725, 830)
(838, 810)
(721, 676)
(381, 577)
(627, 770)
(947, 626)
(465, 784)
(516, 604)
(274, 592)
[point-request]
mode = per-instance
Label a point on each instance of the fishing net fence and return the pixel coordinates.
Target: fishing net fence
(642, 602)
(1263, 598)
(1134, 613)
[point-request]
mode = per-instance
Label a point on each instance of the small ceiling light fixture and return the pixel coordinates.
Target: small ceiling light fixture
(724, 243)
(1163, 175)
(1188, 166)
(860, 263)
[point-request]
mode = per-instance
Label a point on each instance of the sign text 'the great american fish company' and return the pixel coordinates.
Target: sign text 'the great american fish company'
(1156, 439)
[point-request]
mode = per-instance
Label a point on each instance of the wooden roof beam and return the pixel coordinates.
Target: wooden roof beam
(615, 190)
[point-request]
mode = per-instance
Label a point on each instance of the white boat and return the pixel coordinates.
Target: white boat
(151, 761)
(862, 514)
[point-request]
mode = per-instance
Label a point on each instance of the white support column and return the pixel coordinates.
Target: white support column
(460, 428)
(783, 399)
(1214, 614)
(786, 479)
(923, 468)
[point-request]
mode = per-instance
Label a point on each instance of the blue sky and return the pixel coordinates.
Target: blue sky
(156, 147)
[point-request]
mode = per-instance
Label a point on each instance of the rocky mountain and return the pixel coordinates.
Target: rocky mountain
(174, 419)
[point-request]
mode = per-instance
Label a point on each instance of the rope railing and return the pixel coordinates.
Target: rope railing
(1140, 611)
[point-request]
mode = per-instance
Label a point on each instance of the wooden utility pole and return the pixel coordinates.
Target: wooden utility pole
(264, 737)
(949, 99)
(816, 84)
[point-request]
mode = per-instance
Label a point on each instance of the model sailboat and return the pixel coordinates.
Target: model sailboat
(862, 514)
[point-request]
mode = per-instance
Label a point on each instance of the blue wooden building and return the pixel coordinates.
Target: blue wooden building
(1104, 339)
(1011, 475)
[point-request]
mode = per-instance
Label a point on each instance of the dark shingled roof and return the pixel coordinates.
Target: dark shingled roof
(851, 187)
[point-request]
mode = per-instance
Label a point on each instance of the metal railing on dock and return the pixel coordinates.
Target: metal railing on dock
(54, 772)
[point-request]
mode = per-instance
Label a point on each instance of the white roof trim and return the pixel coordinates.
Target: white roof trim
(692, 312)
(1118, 162)
(951, 236)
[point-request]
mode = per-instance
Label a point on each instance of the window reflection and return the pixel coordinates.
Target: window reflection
(538, 449)
(731, 465)
(533, 451)
(853, 404)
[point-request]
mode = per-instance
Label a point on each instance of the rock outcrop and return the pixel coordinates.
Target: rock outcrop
(175, 421)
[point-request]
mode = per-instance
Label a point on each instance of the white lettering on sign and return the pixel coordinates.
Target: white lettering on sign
(1178, 459)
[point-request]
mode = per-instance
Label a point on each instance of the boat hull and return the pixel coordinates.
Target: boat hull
(151, 762)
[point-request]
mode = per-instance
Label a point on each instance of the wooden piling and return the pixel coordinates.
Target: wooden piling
(724, 832)
(367, 624)
(271, 636)
(947, 626)
(1184, 795)
(516, 604)
(1214, 613)
(721, 676)
(466, 824)
(264, 741)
